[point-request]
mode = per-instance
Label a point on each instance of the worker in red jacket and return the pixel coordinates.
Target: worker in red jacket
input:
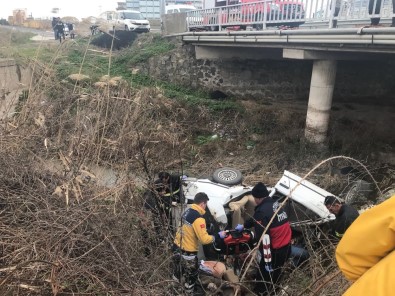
(276, 247)
(345, 216)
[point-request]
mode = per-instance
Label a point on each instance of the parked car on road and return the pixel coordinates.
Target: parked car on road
(129, 20)
(179, 8)
(243, 13)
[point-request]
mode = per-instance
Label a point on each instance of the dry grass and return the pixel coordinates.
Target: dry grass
(63, 233)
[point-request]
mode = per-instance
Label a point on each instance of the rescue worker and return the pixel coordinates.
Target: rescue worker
(366, 253)
(345, 215)
(185, 248)
(278, 246)
(168, 188)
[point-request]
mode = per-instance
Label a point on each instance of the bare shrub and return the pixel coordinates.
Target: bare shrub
(64, 232)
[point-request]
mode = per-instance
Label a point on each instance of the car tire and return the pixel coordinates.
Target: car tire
(227, 176)
(358, 193)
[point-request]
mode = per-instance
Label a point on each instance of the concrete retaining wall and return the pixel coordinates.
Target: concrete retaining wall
(271, 79)
(13, 80)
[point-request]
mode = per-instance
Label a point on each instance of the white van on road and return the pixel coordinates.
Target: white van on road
(178, 8)
(130, 20)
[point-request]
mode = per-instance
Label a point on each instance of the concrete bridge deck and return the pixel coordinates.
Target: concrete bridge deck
(364, 39)
(332, 44)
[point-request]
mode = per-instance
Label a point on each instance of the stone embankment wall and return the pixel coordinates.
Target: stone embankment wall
(13, 80)
(271, 79)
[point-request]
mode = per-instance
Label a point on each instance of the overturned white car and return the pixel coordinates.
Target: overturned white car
(305, 205)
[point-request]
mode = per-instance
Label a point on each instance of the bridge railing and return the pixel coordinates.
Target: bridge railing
(292, 13)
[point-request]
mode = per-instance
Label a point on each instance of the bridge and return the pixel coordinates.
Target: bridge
(292, 13)
(323, 31)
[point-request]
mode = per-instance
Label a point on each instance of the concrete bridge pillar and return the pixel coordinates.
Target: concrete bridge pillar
(320, 100)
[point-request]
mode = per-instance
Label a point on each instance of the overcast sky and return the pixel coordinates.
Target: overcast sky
(42, 8)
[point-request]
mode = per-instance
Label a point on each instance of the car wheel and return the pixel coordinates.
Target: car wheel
(227, 176)
(358, 193)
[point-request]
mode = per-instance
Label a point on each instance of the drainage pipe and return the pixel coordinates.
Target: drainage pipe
(346, 31)
(320, 100)
(282, 39)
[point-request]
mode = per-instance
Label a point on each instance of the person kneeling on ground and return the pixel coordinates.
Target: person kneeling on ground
(345, 215)
(185, 265)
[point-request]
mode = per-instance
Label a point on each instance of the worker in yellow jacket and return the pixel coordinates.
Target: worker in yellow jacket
(185, 265)
(366, 253)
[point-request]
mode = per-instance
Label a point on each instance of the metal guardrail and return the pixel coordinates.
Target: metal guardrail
(292, 13)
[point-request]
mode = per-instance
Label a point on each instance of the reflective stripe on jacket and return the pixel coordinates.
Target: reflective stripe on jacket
(366, 253)
(193, 230)
(344, 219)
(279, 230)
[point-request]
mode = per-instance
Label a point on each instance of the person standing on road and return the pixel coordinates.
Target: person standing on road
(193, 230)
(59, 27)
(278, 244)
(375, 8)
(345, 215)
(366, 253)
(70, 26)
(336, 12)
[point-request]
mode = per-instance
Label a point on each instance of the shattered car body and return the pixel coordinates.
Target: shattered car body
(305, 205)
